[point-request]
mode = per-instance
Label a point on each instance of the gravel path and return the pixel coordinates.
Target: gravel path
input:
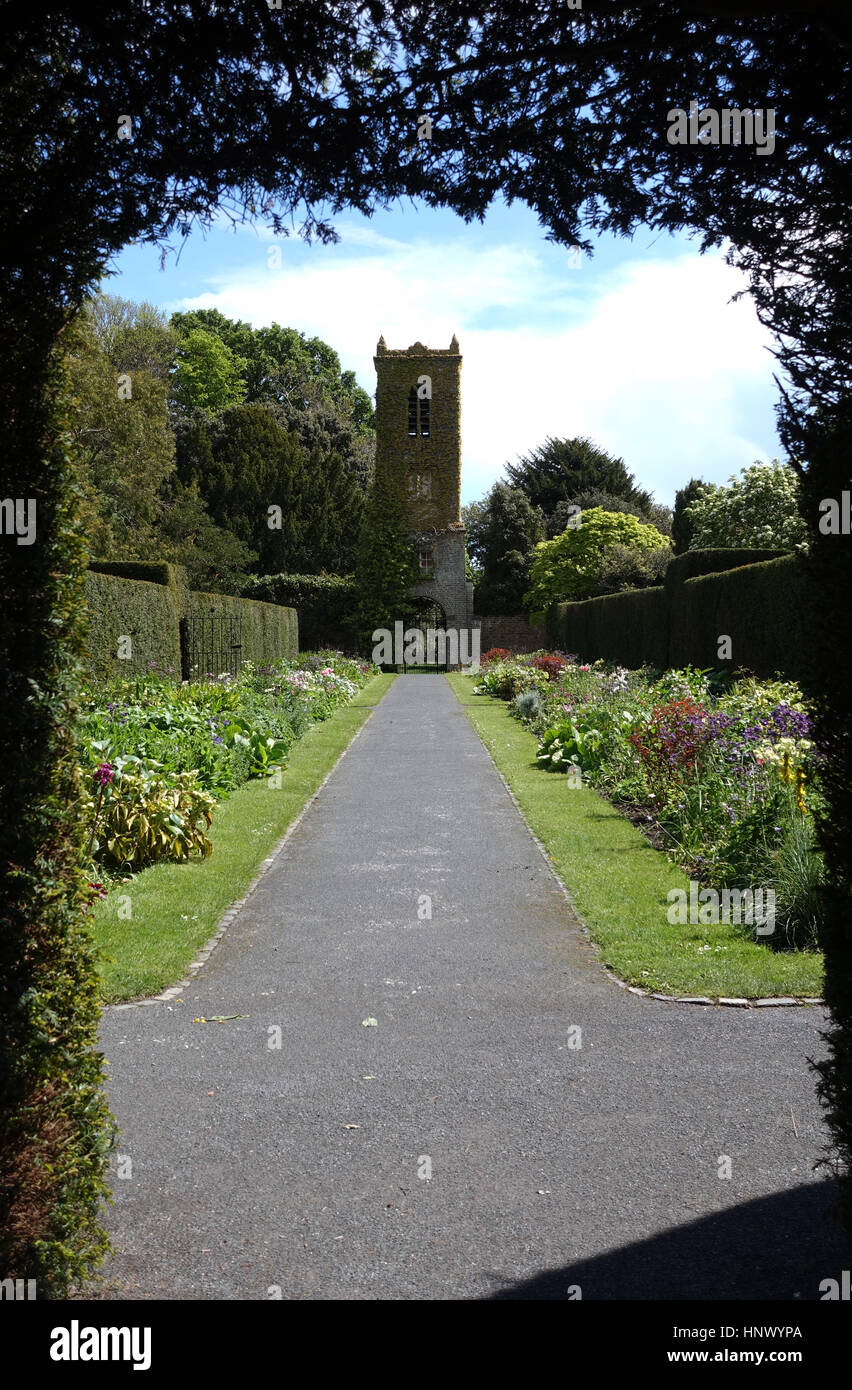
(303, 1168)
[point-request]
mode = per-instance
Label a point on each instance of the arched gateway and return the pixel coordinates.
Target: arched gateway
(418, 452)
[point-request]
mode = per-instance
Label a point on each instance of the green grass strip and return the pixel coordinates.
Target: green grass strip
(618, 882)
(175, 908)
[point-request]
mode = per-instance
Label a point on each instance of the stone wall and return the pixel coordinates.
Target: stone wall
(513, 631)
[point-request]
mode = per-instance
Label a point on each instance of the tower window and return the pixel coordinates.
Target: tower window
(427, 562)
(418, 414)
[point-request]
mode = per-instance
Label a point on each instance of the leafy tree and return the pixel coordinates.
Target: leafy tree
(473, 515)
(386, 568)
(561, 468)
(244, 464)
(275, 358)
(135, 337)
(759, 509)
(623, 567)
(654, 514)
(124, 449)
(216, 561)
(208, 376)
(567, 567)
(320, 424)
(510, 529)
(682, 524)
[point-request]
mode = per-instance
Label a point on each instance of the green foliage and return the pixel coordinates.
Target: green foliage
(387, 565)
(135, 337)
(508, 679)
(504, 534)
(298, 383)
(560, 469)
(277, 363)
(625, 567)
(326, 604)
(683, 526)
(567, 566)
(124, 448)
(150, 614)
(55, 1128)
(148, 816)
(146, 613)
(214, 558)
(264, 751)
(268, 631)
(759, 509)
(758, 605)
(208, 376)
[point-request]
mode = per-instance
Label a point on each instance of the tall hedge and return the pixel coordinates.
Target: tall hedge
(268, 631)
(758, 605)
(326, 604)
(55, 1128)
(146, 602)
(631, 628)
(146, 613)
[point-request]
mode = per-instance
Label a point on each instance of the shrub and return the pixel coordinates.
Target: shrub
(527, 705)
(551, 665)
(144, 816)
(506, 679)
(494, 654)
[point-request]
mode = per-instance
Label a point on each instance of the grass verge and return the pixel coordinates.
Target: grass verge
(618, 882)
(175, 908)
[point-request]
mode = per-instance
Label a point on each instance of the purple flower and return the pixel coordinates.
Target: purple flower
(217, 739)
(104, 773)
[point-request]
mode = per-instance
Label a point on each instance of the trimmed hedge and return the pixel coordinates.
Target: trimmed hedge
(326, 605)
(269, 631)
(146, 603)
(758, 605)
(146, 613)
(630, 628)
(699, 562)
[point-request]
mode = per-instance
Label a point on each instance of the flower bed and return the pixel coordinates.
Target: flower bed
(721, 773)
(156, 755)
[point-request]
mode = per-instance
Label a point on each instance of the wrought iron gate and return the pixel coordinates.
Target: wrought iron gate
(429, 617)
(210, 645)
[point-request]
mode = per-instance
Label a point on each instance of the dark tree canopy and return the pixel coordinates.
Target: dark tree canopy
(560, 469)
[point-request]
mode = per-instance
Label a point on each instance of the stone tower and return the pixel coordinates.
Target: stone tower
(418, 451)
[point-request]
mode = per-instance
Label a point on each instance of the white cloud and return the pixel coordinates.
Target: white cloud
(650, 360)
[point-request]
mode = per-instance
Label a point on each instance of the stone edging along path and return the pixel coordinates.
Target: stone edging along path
(174, 991)
(721, 1001)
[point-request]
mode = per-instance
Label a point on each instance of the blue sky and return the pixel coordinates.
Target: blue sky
(637, 347)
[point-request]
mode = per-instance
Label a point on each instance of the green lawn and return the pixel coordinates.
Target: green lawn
(175, 908)
(618, 882)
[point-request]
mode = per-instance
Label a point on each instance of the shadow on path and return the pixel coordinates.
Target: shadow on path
(774, 1248)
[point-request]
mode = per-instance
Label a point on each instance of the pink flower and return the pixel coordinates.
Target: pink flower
(585, 668)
